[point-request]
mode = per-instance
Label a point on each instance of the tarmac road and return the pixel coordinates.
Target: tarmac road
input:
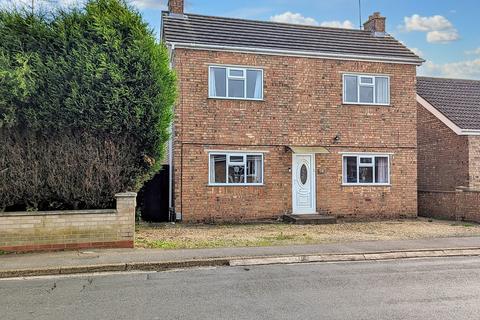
(438, 288)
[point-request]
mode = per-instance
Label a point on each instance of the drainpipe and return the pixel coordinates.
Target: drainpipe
(172, 216)
(171, 209)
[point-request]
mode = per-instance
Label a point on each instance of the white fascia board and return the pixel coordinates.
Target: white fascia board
(470, 132)
(295, 53)
(459, 131)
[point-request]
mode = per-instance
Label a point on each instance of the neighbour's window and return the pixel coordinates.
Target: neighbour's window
(363, 89)
(236, 83)
(366, 169)
(236, 168)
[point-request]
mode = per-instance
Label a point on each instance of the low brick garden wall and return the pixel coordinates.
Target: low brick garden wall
(462, 204)
(72, 229)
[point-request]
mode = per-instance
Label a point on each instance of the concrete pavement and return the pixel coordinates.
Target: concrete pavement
(158, 259)
(437, 289)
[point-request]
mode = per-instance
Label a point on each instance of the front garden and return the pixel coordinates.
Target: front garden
(182, 236)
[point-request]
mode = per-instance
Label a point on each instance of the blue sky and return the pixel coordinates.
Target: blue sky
(444, 32)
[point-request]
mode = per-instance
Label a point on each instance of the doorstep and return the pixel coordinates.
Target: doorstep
(309, 219)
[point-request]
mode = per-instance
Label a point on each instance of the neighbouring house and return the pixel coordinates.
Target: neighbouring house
(276, 118)
(449, 148)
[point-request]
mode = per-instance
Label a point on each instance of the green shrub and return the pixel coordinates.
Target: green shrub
(85, 105)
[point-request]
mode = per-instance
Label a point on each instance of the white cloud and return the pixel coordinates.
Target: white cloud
(443, 36)
(475, 51)
(347, 24)
(467, 69)
(438, 28)
(433, 23)
(295, 18)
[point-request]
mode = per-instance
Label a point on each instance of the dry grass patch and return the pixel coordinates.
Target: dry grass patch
(180, 236)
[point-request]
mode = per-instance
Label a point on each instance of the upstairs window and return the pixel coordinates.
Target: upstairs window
(235, 83)
(366, 169)
(365, 89)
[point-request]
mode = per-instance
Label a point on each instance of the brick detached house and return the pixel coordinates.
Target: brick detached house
(277, 119)
(449, 148)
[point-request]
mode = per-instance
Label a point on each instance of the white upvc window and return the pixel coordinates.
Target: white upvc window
(235, 83)
(235, 168)
(366, 89)
(365, 169)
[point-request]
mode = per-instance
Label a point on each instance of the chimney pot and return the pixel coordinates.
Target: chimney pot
(375, 24)
(176, 6)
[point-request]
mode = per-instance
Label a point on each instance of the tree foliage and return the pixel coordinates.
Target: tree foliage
(93, 74)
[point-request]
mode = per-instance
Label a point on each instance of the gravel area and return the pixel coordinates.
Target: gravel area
(176, 236)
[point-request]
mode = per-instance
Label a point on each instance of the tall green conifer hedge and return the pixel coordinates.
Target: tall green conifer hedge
(85, 105)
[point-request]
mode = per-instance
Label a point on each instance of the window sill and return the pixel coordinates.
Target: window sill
(235, 185)
(236, 99)
(365, 104)
(366, 184)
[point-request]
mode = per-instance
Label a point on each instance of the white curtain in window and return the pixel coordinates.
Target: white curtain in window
(254, 169)
(258, 86)
(212, 168)
(350, 84)
(381, 90)
(213, 91)
(257, 173)
(254, 84)
(382, 169)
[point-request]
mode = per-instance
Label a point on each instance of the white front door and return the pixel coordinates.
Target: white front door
(303, 184)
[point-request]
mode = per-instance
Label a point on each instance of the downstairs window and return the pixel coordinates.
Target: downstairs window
(366, 169)
(236, 169)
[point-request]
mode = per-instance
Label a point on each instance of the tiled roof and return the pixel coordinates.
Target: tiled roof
(458, 100)
(217, 31)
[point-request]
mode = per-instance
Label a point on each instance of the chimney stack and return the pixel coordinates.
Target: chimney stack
(175, 6)
(375, 24)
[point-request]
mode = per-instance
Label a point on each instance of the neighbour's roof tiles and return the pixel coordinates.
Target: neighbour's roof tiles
(456, 99)
(217, 31)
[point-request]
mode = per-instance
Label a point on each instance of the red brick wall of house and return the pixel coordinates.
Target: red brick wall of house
(474, 162)
(302, 107)
(443, 157)
(447, 161)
